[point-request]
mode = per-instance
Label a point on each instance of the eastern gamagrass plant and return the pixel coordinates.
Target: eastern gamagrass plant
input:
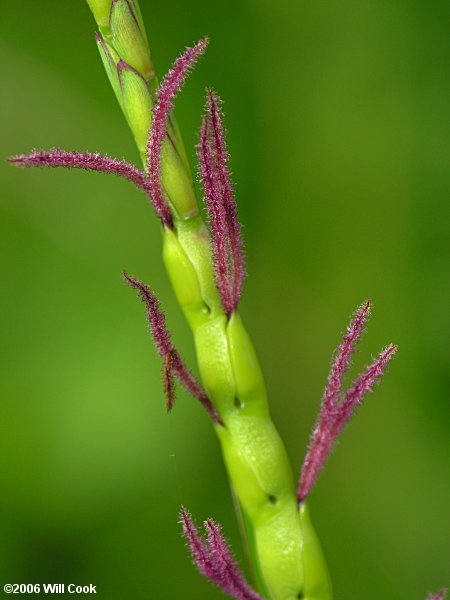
(206, 268)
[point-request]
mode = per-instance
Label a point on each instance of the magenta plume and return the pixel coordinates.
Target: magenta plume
(89, 161)
(173, 364)
(218, 133)
(216, 212)
(214, 559)
(219, 199)
(168, 382)
(337, 408)
(167, 91)
(342, 360)
(365, 383)
(441, 595)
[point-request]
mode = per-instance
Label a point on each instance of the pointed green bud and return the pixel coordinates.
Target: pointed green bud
(129, 39)
(110, 60)
(101, 9)
(137, 13)
(137, 104)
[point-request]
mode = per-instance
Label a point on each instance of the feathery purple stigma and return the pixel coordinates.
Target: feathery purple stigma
(214, 560)
(223, 174)
(216, 214)
(365, 383)
(218, 195)
(438, 595)
(167, 91)
(168, 382)
(226, 566)
(155, 316)
(342, 359)
(90, 161)
(336, 408)
(173, 364)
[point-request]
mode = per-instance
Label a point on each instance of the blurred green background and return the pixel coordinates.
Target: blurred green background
(337, 120)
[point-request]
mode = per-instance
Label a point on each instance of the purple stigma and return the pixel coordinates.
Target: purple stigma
(167, 91)
(364, 384)
(441, 595)
(223, 174)
(219, 199)
(342, 360)
(173, 364)
(89, 161)
(168, 382)
(337, 409)
(214, 559)
(217, 220)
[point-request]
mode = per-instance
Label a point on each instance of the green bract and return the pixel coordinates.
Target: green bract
(110, 60)
(137, 104)
(101, 10)
(129, 38)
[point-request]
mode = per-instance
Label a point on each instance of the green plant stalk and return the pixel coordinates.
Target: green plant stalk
(288, 554)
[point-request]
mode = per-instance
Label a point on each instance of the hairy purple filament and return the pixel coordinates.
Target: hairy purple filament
(219, 199)
(90, 161)
(173, 363)
(217, 218)
(214, 560)
(365, 383)
(342, 359)
(223, 173)
(168, 89)
(336, 411)
(168, 382)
